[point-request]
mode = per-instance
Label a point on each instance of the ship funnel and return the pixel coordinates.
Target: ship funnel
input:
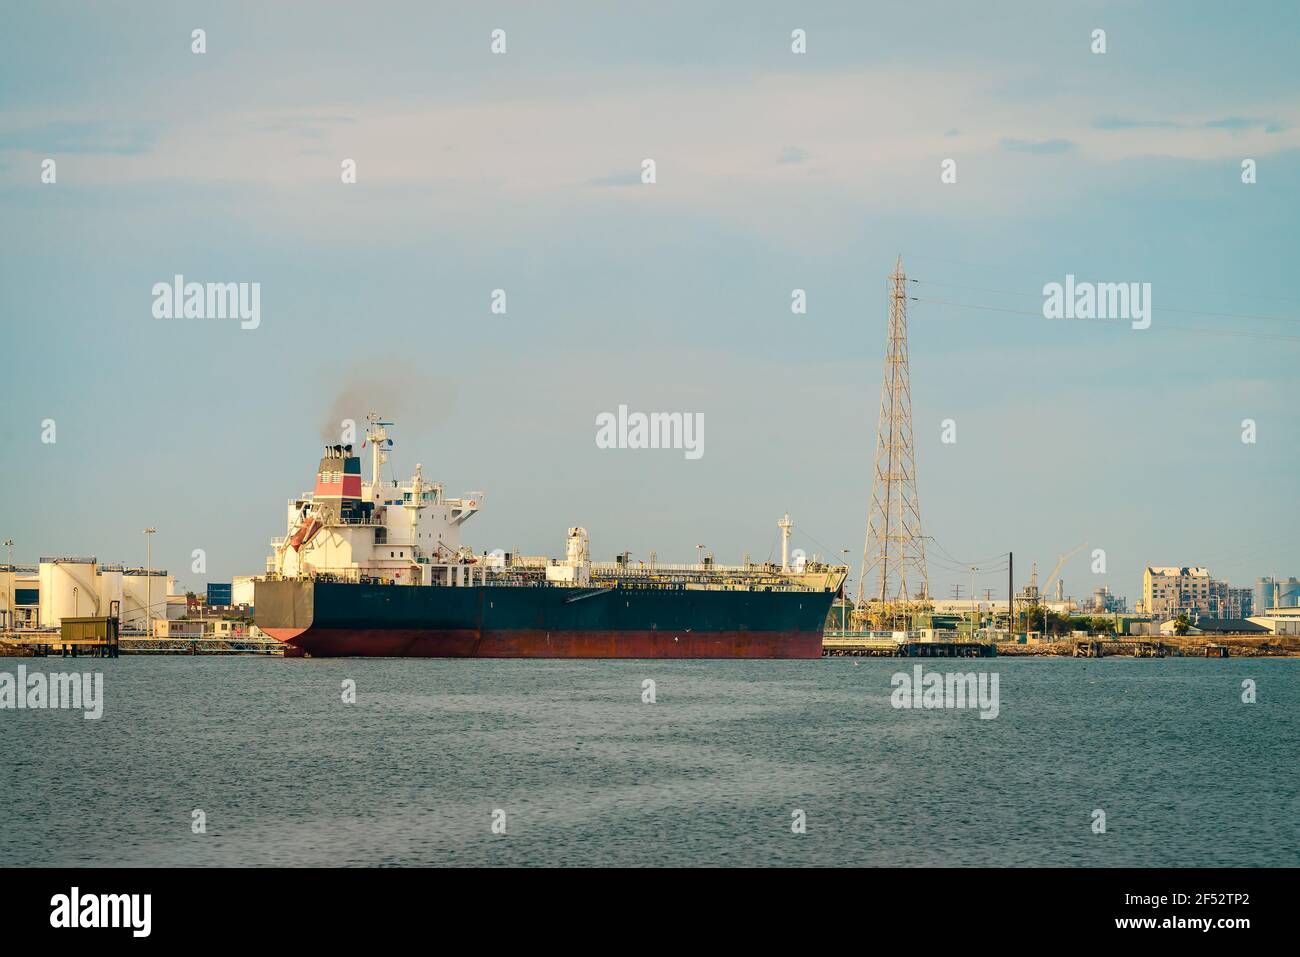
(338, 487)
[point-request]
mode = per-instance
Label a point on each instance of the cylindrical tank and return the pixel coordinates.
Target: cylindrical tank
(1265, 595)
(137, 591)
(68, 589)
(1288, 593)
(110, 590)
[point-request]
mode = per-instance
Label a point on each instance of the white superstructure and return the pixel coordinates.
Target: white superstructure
(392, 531)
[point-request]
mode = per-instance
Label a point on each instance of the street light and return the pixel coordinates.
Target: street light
(148, 581)
(9, 600)
(844, 598)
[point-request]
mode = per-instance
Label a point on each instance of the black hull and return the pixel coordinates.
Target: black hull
(337, 619)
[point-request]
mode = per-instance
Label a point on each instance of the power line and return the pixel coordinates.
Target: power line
(1164, 327)
(959, 566)
(1178, 309)
(1195, 292)
(1001, 556)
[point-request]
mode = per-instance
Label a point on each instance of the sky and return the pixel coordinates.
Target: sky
(774, 171)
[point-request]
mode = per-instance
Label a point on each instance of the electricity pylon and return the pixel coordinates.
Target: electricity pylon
(893, 558)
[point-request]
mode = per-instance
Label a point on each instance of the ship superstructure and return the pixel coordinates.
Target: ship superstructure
(378, 568)
(349, 529)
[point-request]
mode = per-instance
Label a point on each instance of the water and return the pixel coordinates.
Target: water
(287, 774)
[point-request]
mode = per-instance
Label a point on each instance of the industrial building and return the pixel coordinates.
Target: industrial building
(41, 596)
(1104, 601)
(1032, 596)
(1218, 626)
(235, 594)
(1280, 621)
(1170, 591)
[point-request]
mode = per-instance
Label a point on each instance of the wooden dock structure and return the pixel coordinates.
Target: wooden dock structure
(76, 638)
(872, 645)
(1112, 647)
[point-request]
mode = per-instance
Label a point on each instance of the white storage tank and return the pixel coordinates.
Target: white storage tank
(69, 588)
(1288, 593)
(110, 589)
(137, 590)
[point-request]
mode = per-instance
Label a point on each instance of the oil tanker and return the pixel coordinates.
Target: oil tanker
(377, 569)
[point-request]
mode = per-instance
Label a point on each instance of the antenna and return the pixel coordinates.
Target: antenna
(376, 435)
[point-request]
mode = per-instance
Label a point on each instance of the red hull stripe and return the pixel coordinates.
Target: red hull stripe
(401, 643)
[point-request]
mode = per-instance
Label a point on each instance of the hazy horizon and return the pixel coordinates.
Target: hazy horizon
(775, 171)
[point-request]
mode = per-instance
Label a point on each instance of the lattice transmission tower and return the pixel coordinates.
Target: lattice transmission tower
(893, 558)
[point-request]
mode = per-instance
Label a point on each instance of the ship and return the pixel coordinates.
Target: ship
(377, 569)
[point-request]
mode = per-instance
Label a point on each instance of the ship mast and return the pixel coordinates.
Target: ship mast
(376, 435)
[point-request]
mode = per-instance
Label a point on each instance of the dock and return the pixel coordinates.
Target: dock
(140, 645)
(84, 642)
(878, 645)
(1108, 647)
(76, 638)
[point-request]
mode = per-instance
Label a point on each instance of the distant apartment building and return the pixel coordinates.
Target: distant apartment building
(1170, 591)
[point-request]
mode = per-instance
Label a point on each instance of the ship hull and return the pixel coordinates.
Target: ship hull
(335, 619)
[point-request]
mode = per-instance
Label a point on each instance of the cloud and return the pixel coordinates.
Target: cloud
(85, 137)
(1233, 123)
(1129, 123)
(616, 180)
(717, 140)
(1041, 147)
(308, 127)
(1238, 123)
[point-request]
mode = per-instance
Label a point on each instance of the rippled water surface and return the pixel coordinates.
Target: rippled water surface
(586, 773)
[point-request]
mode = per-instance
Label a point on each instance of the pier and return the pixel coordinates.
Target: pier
(886, 645)
(76, 638)
(1108, 647)
(140, 645)
(89, 638)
